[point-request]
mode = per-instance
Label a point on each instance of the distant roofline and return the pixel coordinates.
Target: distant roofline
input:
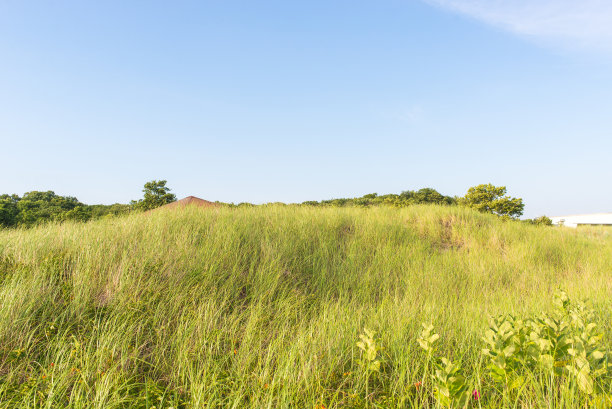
(585, 214)
(191, 201)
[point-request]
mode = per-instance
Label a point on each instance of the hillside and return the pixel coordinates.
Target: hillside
(262, 307)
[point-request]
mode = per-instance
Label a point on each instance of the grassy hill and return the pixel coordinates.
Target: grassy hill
(262, 307)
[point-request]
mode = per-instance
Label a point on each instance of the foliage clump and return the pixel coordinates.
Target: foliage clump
(487, 198)
(35, 208)
(156, 194)
(540, 221)
(406, 198)
(524, 353)
(564, 343)
(449, 382)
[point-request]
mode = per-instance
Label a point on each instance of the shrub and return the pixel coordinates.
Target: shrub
(540, 221)
(564, 344)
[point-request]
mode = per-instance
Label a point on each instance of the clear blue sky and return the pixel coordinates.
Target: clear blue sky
(265, 101)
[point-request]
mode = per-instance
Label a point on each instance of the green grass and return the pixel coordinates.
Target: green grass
(262, 307)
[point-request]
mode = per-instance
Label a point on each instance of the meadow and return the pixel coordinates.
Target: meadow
(263, 307)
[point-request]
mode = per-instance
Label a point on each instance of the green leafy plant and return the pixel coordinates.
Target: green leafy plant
(370, 350)
(370, 359)
(428, 338)
(589, 359)
(450, 385)
(506, 347)
(564, 343)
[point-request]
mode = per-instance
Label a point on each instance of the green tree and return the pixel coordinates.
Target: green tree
(117, 209)
(9, 212)
(36, 207)
(491, 199)
(156, 194)
(429, 195)
(79, 213)
(425, 196)
(540, 221)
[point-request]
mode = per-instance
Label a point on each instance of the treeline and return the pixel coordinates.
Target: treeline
(406, 198)
(39, 207)
(485, 198)
(36, 207)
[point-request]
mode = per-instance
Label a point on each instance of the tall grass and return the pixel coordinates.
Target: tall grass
(262, 307)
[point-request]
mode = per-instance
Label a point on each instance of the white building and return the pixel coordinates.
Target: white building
(595, 219)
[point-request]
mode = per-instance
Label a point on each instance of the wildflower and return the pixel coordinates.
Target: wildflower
(476, 395)
(266, 386)
(235, 351)
(44, 376)
(52, 365)
(418, 384)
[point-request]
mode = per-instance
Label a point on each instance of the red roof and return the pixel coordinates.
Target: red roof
(190, 201)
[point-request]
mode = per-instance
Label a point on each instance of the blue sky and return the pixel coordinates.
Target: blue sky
(308, 100)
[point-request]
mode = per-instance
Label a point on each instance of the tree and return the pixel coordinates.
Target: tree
(429, 195)
(156, 194)
(36, 207)
(79, 213)
(425, 196)
(491, 199)
(9, 212)
(540, 221)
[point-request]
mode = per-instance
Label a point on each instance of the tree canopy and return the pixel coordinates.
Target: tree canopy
(9, 212)
(406, 198)
(39, 207)
(36, 207)
(156, 194)
(492, 199)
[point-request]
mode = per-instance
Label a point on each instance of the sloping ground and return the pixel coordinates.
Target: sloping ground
(261, 307)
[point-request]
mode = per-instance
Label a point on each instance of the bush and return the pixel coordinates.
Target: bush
(529, 353)
(540, 221)
(491, 199)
